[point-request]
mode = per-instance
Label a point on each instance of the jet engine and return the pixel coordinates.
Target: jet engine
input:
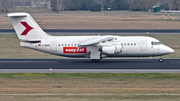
(114, 49)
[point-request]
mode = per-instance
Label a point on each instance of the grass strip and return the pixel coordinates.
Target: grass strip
(93, 75)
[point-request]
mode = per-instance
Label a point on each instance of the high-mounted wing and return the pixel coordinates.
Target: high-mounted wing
(95, 41)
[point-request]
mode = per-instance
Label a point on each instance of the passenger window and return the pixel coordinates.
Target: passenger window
(62, 45)
(124, 44)
(128, 44)
(115, 38)
(121, 44)
(65, 44)
(134, 44)
(71, 44)
(131, 44)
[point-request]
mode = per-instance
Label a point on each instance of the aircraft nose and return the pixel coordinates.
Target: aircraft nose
(171, 50)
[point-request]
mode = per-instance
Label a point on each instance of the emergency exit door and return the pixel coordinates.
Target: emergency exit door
(53, 46)
(143, 45)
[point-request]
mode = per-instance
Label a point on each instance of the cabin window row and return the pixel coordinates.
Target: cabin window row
(68, 45)
(47, 45)
(125, 44)
(128, 44)
(43, 45)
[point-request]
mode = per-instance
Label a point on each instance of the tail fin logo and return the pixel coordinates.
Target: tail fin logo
(28, 28)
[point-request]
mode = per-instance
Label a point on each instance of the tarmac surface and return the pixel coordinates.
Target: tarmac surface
(86, 66)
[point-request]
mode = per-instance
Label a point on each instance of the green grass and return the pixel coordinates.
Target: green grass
(95, 98)
(93, 75)
(90, 86)
(115, 97)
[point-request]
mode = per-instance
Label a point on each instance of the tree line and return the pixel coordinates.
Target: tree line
(132, 5)
(5, 5)
(93, 5)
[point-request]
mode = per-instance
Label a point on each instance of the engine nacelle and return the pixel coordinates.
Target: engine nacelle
(112, 49)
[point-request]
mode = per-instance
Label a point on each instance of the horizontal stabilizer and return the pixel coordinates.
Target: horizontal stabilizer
(17, 14)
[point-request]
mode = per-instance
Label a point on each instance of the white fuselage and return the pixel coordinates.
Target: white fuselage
(131, 46)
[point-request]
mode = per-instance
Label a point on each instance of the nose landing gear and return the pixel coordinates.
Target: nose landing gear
(161, 59)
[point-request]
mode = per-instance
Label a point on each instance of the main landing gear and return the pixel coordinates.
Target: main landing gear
(161, 59)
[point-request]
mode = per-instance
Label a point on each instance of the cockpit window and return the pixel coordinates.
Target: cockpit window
(155, 43)
(152, 43)
(159, 43)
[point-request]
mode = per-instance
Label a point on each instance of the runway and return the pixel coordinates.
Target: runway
(101, 31)
(85, 66)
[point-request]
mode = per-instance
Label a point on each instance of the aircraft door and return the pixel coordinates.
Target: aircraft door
(53, 46)
(143, 45)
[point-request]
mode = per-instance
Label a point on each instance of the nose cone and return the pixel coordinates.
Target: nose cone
(171, 50)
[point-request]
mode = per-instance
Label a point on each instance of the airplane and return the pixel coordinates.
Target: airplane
(93, 47)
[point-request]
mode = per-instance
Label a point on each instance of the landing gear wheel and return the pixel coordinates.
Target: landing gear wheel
(160, 60)
(94, 60)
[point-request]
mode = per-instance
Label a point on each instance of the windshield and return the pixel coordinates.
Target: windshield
(155, 43)
(159, 43)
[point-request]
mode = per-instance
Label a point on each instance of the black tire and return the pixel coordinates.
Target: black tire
(94, 60)
(160, 60)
